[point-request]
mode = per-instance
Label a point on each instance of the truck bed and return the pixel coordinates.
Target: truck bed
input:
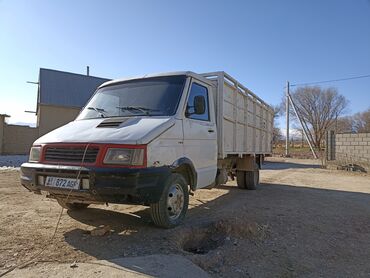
(244, 121)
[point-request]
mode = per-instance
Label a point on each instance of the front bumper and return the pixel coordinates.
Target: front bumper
(111, 185)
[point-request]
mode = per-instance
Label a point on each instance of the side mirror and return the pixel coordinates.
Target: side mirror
(199, 105)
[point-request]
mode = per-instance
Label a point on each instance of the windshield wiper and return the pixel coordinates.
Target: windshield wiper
(100, 111)
(138, 108)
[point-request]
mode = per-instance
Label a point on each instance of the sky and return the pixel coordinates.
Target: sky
(260, 43)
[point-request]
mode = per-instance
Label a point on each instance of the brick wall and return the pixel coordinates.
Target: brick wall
(353, 149)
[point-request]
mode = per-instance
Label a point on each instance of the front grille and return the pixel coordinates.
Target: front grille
(71, 154)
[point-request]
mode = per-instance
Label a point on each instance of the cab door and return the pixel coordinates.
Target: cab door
(200, 133)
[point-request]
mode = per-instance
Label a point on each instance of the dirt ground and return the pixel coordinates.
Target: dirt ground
(302, 221)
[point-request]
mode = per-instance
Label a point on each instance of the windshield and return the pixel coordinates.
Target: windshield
(157, 96)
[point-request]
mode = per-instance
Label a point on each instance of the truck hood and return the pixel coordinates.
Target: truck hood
(133, 130)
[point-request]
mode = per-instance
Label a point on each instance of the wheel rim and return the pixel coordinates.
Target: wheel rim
(175, 201)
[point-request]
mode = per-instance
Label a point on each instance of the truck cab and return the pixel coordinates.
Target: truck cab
(146, 140)
(150, 140)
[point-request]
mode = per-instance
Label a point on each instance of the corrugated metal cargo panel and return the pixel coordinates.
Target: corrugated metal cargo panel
(65, 88)
(245, 122)
(228, 128)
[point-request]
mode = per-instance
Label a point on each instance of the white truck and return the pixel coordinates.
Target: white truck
(153, 140)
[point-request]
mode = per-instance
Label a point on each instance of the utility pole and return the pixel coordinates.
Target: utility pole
(287, 119)
(303, 125)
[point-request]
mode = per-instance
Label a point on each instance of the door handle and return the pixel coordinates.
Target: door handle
(211, 130)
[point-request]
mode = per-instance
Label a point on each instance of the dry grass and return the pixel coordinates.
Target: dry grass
(295, 152)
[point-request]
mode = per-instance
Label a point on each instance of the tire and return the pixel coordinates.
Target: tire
(240, 179)
(71, 206)
(171, 209)
(252, 179)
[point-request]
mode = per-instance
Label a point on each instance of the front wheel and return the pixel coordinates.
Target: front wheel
(171, 209)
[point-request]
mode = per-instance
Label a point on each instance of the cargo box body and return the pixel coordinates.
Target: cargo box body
(244, 121)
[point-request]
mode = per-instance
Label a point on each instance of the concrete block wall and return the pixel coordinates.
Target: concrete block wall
(15, 139)
(18, 139)
(353, 148)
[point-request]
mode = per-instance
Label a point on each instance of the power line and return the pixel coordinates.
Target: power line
(328, 81)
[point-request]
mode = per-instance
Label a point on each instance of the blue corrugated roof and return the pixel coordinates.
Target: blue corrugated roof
(65, 88)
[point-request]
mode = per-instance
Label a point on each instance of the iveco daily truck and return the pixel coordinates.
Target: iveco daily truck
(153, 140)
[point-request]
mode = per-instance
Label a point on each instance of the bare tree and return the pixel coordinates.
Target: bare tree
(297, 134)
(277, 136)
(319, 108)
(276, 132)
(343, 124)
(361, 121)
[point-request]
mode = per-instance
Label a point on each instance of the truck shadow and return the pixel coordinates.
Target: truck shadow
(312, 214)
(116, 220)
(134, 233)
(274, 165)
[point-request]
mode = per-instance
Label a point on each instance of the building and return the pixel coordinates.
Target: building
(60, 97)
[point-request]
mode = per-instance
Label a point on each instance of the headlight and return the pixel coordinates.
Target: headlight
(124, 156)
(35, 154)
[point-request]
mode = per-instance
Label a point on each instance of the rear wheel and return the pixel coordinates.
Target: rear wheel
(252, 179)
(171, 209)
(71, 206)
(240, 179)
(247, 179)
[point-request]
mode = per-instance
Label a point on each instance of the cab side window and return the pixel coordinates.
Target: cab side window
(197, 105)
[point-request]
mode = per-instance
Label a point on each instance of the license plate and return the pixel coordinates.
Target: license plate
(62, 183)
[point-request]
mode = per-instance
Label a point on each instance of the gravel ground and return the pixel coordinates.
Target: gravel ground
(303, 221)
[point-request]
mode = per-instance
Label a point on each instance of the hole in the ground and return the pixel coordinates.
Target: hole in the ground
(203, 244)
(201, 241)
(204, 239)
